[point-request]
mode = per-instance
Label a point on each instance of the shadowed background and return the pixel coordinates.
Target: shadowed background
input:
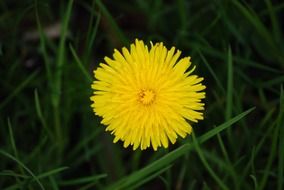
(51, 139)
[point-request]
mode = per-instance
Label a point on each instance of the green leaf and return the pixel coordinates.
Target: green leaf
(87, 179)
(166, 160)
(80, 65)
(23, 166)
(119, 33)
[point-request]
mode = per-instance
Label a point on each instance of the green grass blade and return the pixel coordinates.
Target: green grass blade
(219, 162)
(92, 31)
(23, 166)
(274, 81)
(172, 156)
(223, 148)
(275, 25)
(13, 174)
(61, 55)
(150, 177)
(267, 170)
(223, 126)
(52, 172)
(14, 148)
(257, 23)
(83, 143)
(40, 115)
(14, 187)
(120, 35)
(93, 34)
(18, 89)
(218, 82)
(232, 27)
(42, 44)
(237, 59)
(251, 16)
(82, 180)
(273, 148)
(255, 184)
(43, 175)
(11, 134)
(276, 9)
(57, 82)
(229, 97)
(80, 65)
(37, 150)
(257, 148)
(89, 152)
(206, 164)
(181, 176)
(182, 13)
(228, 161)
(53, 183)
(280, 182)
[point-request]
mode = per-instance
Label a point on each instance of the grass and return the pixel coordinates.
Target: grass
(50, 139)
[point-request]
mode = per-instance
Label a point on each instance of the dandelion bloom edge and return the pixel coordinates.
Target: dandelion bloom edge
(146, 95)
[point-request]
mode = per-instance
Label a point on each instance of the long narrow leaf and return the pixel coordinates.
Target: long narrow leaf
(23, 166)
(172, 156)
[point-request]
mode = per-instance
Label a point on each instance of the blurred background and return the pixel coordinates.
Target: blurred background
(50, 137)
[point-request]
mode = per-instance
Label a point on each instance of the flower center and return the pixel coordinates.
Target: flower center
(146, 96)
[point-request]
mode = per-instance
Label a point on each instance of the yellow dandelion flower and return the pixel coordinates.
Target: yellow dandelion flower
(146, 96)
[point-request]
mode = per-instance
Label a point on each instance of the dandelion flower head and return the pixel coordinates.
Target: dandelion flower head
(147, 96)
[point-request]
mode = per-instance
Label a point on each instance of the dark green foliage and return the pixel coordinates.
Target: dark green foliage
(51, 139)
